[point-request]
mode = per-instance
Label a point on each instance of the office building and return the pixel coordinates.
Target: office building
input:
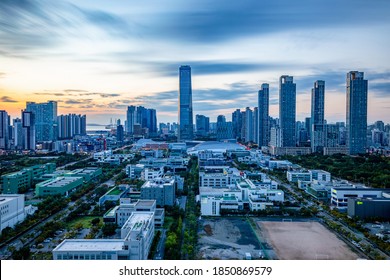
(162, 190)
(141, 121)
(12, 210)
(45, 120)
(4, 130)
(356, 112)
(120, 133)
(28, 125)
(263, 107)
(58, 186)
(18, 134)
(318, 126)
(237, 121)
(202, 125)
(135, 242)
(186, 124)
(287, 108)
(121, 213)
(369, 208)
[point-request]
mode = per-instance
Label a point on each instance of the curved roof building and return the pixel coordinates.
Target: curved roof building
(215, 146)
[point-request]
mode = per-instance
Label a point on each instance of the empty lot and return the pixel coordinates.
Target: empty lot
(307, 240)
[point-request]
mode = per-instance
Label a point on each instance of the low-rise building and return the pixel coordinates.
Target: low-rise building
(295, 176)
(218, 176)
(136, 239)
(121, 213)
(58, 186)
(114, 194)
(320, 175)
(162, 190)
(87, 174)
(12, 210)
(340, 195)
(151, 173)
(12, 183)
(365, 208)
(134, 171)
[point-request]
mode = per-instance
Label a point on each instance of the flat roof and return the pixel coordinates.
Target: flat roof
(5, 198)
(59, 181)
(137, 219)
(90, 245)
(143, 202)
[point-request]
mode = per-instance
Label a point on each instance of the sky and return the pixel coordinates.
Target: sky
(96, 57)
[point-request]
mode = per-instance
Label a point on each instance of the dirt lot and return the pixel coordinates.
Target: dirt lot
(227, 239)
(304, 241)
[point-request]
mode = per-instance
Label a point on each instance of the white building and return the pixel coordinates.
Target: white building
(295, 176)
(162, 190)
(235, 198)
(136, 239)
(12, 210)
(340, 195)
(151, 173)
(279, 164)
(134, 171)
(218, 176)
(121, 213)
(320, 175)
(109, 157)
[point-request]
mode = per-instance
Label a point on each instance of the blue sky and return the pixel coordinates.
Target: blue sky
(98, 57)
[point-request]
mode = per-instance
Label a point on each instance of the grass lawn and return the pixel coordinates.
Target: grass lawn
(115, 191)
(85, 221)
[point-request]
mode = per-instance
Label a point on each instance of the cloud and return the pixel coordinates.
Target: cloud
(77, 101)
(7, 99)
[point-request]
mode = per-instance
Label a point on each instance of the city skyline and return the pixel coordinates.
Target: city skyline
(91, 56)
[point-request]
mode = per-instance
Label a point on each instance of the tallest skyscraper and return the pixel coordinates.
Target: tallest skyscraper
(186, 125)
(356, 112)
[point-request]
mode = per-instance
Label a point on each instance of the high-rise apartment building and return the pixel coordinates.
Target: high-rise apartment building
(356, 112)
(318, 126)
(186, 124)
(256, 125)
(71, 125)
(249, 134)
(263, 105)
(287, 108)
(45, 120)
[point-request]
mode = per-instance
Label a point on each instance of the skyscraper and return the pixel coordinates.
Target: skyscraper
(186, 124)
(142, 117)
(71, 125)
(45, 120)
(287, 107)
(237, 121)
(28, 124)
(130, 119)
(263, 104)
(256, 125)
(249, 133)
(202, 125)
(317, 129)
(356, 112)
(18, 134)
(4, 131)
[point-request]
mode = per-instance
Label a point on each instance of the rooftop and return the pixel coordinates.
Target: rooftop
(59, 182)
(90, 245)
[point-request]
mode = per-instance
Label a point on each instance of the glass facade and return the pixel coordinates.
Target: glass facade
(356, 112)
(287, 108)
(186, 124)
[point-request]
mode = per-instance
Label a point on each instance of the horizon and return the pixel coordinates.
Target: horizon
(94, 56)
